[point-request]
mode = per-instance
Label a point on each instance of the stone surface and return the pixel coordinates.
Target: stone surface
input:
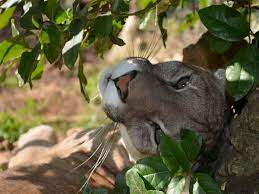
(32, 145)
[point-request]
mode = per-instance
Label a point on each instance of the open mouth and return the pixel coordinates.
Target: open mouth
(122, 84)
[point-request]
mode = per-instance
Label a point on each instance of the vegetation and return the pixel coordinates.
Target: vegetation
(61, 31)
(175, 171)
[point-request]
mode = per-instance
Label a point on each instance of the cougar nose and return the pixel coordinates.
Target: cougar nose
(122, 84)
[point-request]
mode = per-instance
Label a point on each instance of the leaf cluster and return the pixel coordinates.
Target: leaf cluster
(172, 172)
(58, 31)
(227, 25)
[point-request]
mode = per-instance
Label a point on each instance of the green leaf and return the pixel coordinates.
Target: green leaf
(9, 3)
(95, 191)
(117, 40)
(6, 16)
(50, 37)
(37, 73)
(103, 25)
(99, 191)
(15, 31)
(146, 20)
(28, 64)
(163, 31)
(135, 182)
(256, 40)
(218, 45)
(207, 184)
(173, 155)
(62, 16)
(120, 184)
(154, 192)
(242, 73)
(224, 22)
(32, 19)
(197, 189)
(50, 8)
(189, 21)
(153, 171)
(71, 49)
(239, 81)
(144, 3)
(82, 81)
(120, 6)
(176, 185)
(191, 143)
(11, 49)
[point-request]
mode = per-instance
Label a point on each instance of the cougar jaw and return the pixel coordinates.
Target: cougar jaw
(157, 131)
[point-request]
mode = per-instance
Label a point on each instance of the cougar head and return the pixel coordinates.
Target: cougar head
(149, 98)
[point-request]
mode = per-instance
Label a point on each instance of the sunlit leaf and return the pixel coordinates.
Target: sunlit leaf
(242, 73)
(176, 185)
(197, 189)
(71, 49)
(5, 17)
(37, 73)
(154, 192)
(15, 31)
(135, 182)
(154, 172)
(11, 49)
(9, 3)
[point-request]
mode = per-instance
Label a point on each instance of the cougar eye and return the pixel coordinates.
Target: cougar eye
(182, 83)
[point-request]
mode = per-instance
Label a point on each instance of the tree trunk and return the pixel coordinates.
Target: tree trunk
(238, 162)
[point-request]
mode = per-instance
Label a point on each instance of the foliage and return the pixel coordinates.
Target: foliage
(13, 125)
(10, 128)
(226, 25)
(61, 31)
(63, 28)
(172, 172)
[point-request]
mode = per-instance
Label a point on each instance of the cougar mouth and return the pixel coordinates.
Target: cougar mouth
(122, 84)
(157, 131)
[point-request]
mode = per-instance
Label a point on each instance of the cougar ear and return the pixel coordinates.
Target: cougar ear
(220, 76)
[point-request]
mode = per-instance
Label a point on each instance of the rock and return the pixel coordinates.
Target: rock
(32, 145)
(200, 54)
(4, 158)
(56, 169)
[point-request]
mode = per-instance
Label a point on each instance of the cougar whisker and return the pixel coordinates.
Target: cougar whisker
(89, 158)
(103, 155)
(149, 46)
(153, 47)
(101, 160)
(92, 169)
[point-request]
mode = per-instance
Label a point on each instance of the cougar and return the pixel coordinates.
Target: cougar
(148, 99)
(145, 99)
